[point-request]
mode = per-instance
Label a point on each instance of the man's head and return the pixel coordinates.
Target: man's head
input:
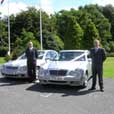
(30, 44)
(96, 43)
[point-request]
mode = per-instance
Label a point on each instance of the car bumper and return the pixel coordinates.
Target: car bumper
(14, 74)
(62, 80)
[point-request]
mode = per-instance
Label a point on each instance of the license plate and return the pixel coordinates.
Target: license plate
(10, 72)
(57, 78)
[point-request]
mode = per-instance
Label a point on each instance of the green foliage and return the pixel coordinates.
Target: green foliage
(55, 43)
(21, 43)
(61, 23)
(102, 24)
(59, 42)
(109, 47)
(3, 51)
(69, 30)
(3, 38)
(8, 57)
(108, 12)
(74, 29)
(111, 43)
(52, 41)
(73, 35)
(90, 34)
(110, 54)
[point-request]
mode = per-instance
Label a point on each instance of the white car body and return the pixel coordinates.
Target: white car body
(18, 68)
(74, 72)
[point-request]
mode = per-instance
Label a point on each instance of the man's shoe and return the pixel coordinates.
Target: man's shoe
(91, 89)
(102, 90)
(30, 81)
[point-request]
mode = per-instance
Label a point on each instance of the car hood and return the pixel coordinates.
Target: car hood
(21, 63)
(67, 65)
(16, 63)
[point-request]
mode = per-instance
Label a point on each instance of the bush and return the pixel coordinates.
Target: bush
(3, 51)
(8, 57)
(16, 53)
(110, 54)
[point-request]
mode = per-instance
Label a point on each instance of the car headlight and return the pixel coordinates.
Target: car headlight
(3, 66)
(43, 72)
(23, 69)
(76, 72)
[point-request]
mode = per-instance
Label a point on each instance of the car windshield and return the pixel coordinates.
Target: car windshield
(67, 56)
(40, 55)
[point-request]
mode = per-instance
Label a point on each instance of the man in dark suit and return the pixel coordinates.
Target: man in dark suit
(98, 56)
(31, 54)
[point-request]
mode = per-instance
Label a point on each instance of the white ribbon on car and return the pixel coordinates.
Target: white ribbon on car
(76, 58)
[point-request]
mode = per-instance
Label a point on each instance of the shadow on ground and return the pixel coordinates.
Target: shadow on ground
(11, 81)
(64, 90)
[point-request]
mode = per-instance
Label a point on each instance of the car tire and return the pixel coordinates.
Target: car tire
(85, 84)
(42, 84)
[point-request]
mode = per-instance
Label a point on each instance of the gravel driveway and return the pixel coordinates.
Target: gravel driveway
(21, 97)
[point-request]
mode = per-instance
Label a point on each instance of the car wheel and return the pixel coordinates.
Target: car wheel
(85, 84)
(42, 84)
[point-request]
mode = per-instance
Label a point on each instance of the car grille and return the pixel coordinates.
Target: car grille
(58, 72)
(11, 68)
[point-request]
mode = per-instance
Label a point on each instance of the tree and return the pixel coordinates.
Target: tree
(90, 34)
(68, 29)
(21, 43)
(102, 24)
(3, 37)
(108, 12)
(52, 41)
(73, 34)
(61, 23)
(74, 29)
(90, 30)
(30, 21)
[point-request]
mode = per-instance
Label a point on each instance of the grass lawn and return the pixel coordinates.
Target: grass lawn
(2, 60)
(109, 67)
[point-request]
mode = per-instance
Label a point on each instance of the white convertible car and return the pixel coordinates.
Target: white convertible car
(72, 68)
(18, 68)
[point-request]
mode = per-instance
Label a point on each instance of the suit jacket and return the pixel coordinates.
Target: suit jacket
(31, 55)
(98, 57)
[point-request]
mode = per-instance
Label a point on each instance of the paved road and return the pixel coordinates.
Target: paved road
(20, 97)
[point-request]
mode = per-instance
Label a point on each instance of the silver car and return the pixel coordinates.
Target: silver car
(72, 68)
(18, 68)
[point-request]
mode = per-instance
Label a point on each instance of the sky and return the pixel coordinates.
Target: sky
(50, 6)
